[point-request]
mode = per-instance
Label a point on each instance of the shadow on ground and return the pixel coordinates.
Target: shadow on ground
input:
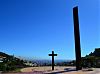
(65, 70)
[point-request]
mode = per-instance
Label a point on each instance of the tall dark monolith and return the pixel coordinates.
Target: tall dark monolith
(77, 39)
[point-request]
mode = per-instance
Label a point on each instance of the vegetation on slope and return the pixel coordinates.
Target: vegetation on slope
(9, 62)
(92, 60)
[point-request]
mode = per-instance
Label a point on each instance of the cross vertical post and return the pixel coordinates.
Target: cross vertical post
(77, 38)
(53, 59)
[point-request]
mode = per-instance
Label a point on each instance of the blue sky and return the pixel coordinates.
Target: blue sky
(33, 28)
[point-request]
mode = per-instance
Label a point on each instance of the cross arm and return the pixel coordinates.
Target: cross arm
(50, 54)
(55, 54)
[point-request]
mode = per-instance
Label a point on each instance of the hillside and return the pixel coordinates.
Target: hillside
(10, 62)
(92, 60)
(4, 55)
(96, 53)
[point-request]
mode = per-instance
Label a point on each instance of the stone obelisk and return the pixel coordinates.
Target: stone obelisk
(77, 38)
